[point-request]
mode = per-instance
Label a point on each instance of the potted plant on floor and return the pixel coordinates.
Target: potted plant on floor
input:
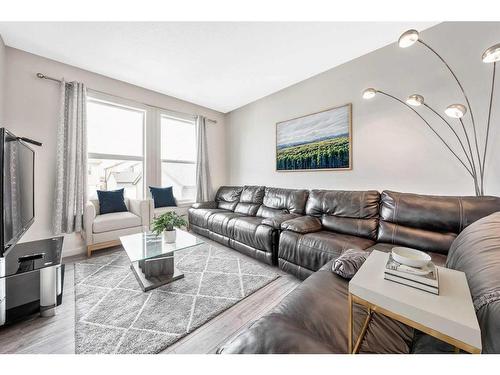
(165, 225)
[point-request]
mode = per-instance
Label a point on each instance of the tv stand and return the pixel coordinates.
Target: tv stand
(31, 279)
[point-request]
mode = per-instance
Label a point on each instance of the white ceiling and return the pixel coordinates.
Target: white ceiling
(218, 65)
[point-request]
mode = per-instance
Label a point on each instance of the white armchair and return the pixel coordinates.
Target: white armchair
(101, 231)
(181, 209)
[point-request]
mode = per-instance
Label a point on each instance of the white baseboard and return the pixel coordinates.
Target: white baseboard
(80, 250)
(73, 245)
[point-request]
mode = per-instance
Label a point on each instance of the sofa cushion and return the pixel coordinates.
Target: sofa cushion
(314, 319)
(276, 334)
(476, 251)
(210, 204)
(429, 223)
(270, 213)
(278, 220)
(313, 250)
(162, 197)
(348, 212)
(219, 221)
(227, 197)
(250, 200)
(282, 201)
(200, 216)
(349, 262)
(249, 231)
(111, 201)
(114, 221)
(302, 224)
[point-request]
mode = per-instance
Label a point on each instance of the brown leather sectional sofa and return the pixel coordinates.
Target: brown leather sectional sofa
(304, 231)
(301, 230)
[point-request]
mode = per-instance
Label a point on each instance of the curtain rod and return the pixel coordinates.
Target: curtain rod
(43, 76)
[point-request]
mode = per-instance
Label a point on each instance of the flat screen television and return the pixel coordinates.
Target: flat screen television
(17, 182)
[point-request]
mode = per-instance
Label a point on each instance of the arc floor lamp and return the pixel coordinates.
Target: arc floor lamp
(471, 155)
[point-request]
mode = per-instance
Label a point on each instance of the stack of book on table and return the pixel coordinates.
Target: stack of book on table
(425, 278)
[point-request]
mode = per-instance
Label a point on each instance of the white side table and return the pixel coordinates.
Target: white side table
(449, 316)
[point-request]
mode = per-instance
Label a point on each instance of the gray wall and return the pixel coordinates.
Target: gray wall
(392, 148)
(33, 109)
(2, 80)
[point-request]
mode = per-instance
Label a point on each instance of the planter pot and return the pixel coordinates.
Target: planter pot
(169, 236)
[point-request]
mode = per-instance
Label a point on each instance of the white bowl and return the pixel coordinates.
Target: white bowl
(410, 257)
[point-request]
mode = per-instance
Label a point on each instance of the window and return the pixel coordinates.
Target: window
(178, 156)
(115, 139)
(128, 142)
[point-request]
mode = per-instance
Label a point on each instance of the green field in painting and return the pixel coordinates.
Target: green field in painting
(331, 153)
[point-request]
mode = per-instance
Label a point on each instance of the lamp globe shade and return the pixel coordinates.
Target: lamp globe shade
(369, 93)
(415, 100)
(456, 110)
(408, 38)
(492, 54)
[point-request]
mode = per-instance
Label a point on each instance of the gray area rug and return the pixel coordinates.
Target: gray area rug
(113, 314)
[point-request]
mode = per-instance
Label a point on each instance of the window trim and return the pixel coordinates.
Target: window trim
(123, 104)
(191, 120)
(116, 101)
(177, 161)
(94, 155)
(179, 116)
(186, 119)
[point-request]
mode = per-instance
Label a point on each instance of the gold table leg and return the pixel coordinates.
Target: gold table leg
(350, 348)
(379, 310)
(349, 331)
(355, 350)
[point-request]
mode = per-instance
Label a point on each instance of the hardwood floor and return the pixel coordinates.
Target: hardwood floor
(52, 335)
(227, 325)
(56, 335)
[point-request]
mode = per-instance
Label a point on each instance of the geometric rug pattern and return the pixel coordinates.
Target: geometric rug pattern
(113, 314)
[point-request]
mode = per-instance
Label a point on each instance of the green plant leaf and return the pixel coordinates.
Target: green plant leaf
(167, 221)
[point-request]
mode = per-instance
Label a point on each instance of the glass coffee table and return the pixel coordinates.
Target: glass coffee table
(152, 259)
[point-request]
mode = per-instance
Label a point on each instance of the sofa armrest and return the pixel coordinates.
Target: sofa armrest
(303, 224)
(140, 207)
(89, 214)
(205, 205)
(276, 221)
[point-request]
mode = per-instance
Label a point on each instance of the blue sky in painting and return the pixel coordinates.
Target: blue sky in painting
(307, 129)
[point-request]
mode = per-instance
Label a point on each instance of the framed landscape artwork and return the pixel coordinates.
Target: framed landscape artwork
(319, 141)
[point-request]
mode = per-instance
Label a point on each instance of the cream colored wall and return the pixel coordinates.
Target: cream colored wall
(32, 111)
(392, 148)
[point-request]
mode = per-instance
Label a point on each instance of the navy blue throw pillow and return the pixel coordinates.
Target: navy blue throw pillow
(111, 201)
(163, 197)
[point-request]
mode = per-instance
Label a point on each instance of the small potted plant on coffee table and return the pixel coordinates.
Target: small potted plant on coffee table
(165, 225)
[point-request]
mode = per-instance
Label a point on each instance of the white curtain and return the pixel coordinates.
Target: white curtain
(71, 159)
(203, 186)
